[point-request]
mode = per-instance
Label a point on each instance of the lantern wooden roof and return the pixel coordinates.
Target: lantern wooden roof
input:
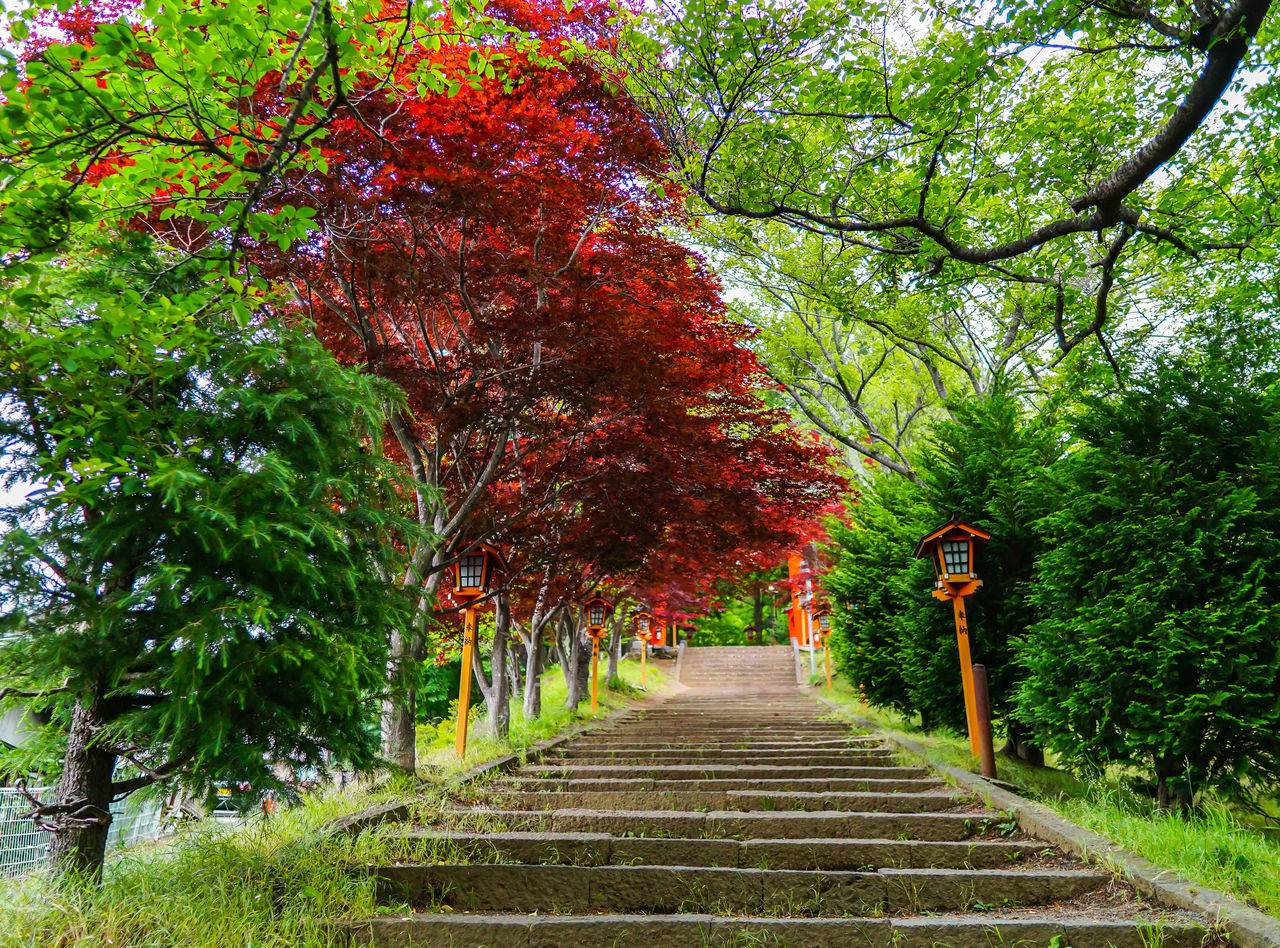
(497, 558)
(952, 528)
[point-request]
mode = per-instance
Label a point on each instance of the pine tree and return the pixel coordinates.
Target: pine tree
(1157, 642)
(193, 582)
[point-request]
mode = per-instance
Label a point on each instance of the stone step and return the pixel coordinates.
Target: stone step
(780, 785)
(714, 931)
(598, 849)
(707, 770)
(854, 758)
(730, 824)
(739, 813)
(607, 743)
(747, 800)
(685, 731)
(572, 890)
(719, 750)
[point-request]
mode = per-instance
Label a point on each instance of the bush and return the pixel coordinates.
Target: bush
(1157, 641)
(986, 464)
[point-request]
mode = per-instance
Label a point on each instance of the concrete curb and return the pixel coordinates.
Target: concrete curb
(1248, 927)
(399, 811)
(680, 660)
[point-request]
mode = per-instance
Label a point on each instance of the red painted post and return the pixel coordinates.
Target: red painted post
(982, 700)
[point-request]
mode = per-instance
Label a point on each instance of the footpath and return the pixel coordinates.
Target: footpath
(739, 813)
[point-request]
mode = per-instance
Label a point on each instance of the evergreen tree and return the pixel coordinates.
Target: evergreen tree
(193, 584)
(890, 637)
(1157, 644)
(985, 463)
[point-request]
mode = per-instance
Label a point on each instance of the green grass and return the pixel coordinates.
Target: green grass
(267, 885)
(1215, 846)
(272, 884)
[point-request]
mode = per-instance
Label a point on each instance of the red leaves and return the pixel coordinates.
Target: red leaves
(502, 256)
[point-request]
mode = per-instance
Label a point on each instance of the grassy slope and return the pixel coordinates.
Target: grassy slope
(1216, 847)
(265, 885)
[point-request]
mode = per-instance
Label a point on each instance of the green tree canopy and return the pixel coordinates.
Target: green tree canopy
(194, 582)
(1156, 640)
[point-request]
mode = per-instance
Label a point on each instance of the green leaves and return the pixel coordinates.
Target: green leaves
(117, 112)
(1155, 643)
(966, 146)
(204, 549)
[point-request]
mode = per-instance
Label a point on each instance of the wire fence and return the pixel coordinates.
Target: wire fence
(23, 847)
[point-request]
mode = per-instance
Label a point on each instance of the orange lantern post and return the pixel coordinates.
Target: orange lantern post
(953, 547)
(598, 610)
(472, 575)
(643, 621)
(822, 621)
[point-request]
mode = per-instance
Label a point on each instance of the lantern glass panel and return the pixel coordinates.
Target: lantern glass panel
(824, 623)
(471, 571)
(955, 556)
(597, 614)
(642, 625)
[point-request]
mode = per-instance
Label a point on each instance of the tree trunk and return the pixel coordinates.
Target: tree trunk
(1019, 745)
(399, 707)
(572, 678)
(1167, 797)
(757, 615)
(533, 676)
(500, 708)
(496, 690)
(582, 667)
(78, 847)
(615, 651)
(516, 649)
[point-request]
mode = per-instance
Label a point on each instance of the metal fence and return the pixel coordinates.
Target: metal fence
(23, 847)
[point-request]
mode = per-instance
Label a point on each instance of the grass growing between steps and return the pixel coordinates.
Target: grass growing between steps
(1217, 846)
(272, 884)
(436, 755)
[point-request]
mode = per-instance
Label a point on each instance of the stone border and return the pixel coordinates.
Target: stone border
(679, 660)
(398, 811)
(1248, 927)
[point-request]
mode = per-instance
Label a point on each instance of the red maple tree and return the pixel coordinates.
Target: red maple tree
(573, 386)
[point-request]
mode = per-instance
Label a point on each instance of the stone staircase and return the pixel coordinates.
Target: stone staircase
(738, 813)
(764, 669)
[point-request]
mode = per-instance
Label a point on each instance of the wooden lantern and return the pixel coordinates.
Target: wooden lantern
(598, 610)
(475, 571)
(643, 624)
(954, 549)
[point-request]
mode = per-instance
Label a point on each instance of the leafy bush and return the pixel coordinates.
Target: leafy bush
(986, 464)
(1156, 643)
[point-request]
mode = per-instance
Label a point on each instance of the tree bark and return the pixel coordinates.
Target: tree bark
(1019, 745)
(1167, 797)
(582, 666)
(533, 676)
(500, 709)
(572, 678)
(615, 651)
(496, 690)
(399, 707)
(516, 649)
(78, 846)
